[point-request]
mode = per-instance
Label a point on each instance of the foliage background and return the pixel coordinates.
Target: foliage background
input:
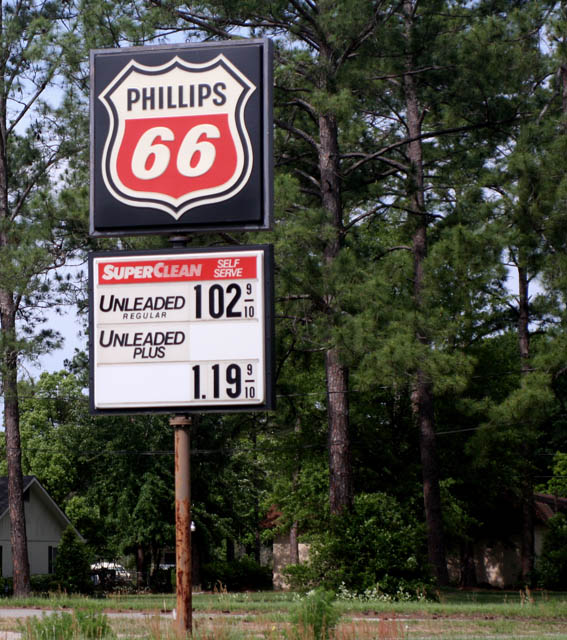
(446, 123)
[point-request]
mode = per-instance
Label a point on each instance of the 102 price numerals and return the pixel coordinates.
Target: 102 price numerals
(217, 301)
(225, 381)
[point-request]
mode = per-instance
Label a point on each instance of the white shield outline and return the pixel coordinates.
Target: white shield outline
(176, 207)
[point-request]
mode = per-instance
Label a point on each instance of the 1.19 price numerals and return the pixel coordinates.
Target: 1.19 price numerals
(217, 301)
(225, 381)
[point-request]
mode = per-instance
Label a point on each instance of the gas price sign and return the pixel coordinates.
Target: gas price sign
(181, 329)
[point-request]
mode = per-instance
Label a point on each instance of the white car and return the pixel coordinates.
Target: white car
(120, 571)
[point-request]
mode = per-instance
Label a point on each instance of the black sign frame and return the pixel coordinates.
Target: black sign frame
(250, 208)
(268, 338)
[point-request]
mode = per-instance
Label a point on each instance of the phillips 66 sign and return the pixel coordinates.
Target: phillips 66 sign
(181, 138)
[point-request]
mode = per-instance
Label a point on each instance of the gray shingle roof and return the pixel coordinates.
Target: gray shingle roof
(4, 490)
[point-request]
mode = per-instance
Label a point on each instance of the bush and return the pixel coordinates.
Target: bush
(161, 581)
(377, 544)
(238, 575)
(552, 564)
(301, 577)
(72, 568)
(6, 587)
(316, 615)
(42, 584)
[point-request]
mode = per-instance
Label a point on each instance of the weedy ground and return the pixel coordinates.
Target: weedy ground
(459, 615)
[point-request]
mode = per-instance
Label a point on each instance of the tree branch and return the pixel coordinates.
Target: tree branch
(297, 132)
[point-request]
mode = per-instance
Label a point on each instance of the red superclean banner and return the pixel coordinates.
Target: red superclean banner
(176, 270)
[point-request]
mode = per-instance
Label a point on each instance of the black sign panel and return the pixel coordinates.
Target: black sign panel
(181, 138)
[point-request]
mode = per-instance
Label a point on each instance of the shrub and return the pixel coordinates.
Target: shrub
(301, 577)
(6, 587)
(316, 615)
(72, 568)
(377, 544)
(552, 564)
(237, 575)
(42, 584)
(161, 581)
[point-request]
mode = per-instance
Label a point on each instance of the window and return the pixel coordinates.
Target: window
(51, 557)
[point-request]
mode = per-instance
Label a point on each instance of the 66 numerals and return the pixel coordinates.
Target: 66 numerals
(225, 381)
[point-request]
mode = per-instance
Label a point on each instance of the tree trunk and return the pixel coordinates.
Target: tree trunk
(293, 544)
(9, 372)
(340, 470)
(527, 547)
(524, 320)
(527, 551)
(195, 562)
(257, 546)
(18, 538)
(468, 570)
(294, 530)
(140, 565)
(422, 407)
(422, 394)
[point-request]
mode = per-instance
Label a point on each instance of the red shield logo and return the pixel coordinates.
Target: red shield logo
(177, 137)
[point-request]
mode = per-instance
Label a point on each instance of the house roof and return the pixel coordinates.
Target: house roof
(547, 506)
(272, 518)
(28, 482)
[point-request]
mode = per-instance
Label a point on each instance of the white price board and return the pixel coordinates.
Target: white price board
(181, 330)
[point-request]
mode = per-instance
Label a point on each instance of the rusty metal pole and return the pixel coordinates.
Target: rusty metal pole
(182, 427)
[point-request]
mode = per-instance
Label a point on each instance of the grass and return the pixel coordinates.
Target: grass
(459, 615)
(77, 625)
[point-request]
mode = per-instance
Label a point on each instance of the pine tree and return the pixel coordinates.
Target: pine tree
(382, 109)
(447, 94)
(35, 235)
(315, 115)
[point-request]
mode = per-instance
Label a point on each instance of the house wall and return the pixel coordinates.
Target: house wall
(281, 559)
(498, 565)
(539, 535)
(44, 527)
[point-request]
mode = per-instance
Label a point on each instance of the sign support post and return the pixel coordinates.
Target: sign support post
(183, 548)
(182, 425)
(182, 142)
